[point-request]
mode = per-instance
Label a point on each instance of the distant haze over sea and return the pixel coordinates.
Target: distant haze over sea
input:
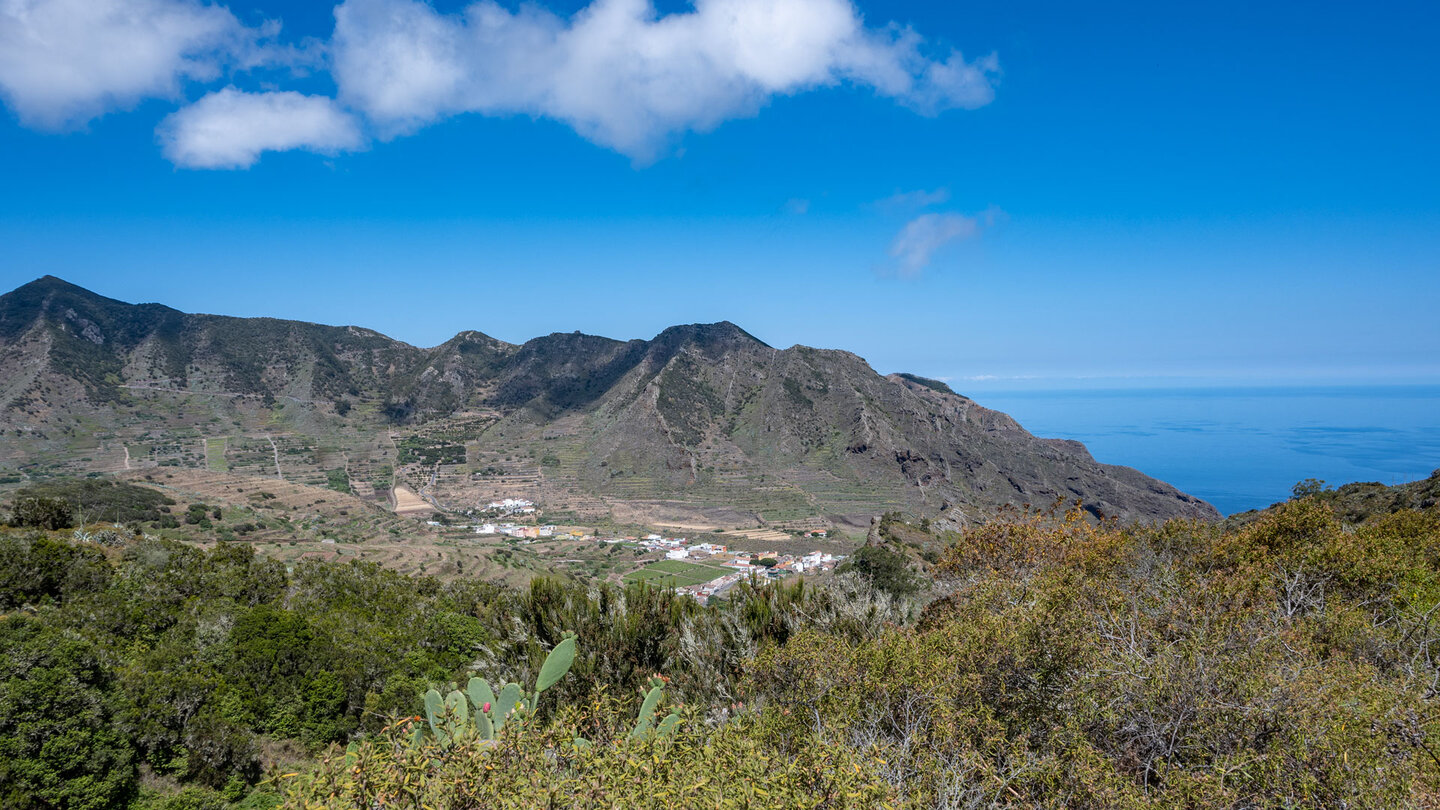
(1243, 447)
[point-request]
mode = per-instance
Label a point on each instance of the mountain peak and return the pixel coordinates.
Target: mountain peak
(471, 337)
(52, 299)
(49, 282)
(708, 335)
(48, 286)
(54, 288)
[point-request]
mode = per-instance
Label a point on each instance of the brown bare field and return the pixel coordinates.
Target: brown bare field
(688, 527)
(768, 535)
(679, 515)
(293, 522)
(408, 503)
(284, 506)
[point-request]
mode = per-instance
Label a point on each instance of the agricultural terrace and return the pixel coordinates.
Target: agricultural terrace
(675, 573)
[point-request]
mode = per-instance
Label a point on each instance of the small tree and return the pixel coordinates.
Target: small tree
(884, 569)
(1308, 487)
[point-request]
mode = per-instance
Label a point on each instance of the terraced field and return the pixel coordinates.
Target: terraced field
(215, 455)
(676, 573)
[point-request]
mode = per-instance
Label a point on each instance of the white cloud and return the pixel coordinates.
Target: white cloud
(229, 129)
(616, 71)
(620, 74)
(917, 242)
(64, 62)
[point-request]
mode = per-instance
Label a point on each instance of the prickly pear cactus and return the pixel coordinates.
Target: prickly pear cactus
(505, 704)
(457, 712)
(480, 693)
(435, 713)
(557, 663)
(647, 711)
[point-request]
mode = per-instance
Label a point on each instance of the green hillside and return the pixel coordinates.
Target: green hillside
(1038, 661)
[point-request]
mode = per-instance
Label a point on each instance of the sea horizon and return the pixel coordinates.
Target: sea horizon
(1242, 447)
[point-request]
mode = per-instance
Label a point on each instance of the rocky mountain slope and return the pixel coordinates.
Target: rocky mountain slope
(704, 423)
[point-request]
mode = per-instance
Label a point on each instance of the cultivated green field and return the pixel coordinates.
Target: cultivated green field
(674, 573)
(215, 455)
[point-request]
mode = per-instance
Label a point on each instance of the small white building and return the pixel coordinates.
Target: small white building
(676, 554)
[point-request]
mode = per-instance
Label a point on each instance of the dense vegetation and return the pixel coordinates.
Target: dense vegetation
(99, 499)
(1288, 662)
(188, 667)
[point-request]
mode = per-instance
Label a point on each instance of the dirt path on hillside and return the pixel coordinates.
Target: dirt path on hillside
(275, 448)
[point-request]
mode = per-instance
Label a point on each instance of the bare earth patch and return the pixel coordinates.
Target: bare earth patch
(408, 503)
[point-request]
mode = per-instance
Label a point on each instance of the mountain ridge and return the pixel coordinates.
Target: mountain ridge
(702, 419)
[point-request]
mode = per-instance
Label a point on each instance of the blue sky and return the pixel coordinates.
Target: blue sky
(1000, 195)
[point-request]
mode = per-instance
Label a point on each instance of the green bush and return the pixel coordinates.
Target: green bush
(102, 500)
(41, 512)
(189, 798)
(733, 766)
(58, 747)
(885, 570)
(37, 568)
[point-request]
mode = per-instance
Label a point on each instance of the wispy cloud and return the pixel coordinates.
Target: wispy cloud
(916, 243)
(920, 239)
(911, 200)
(797, 205)
(229, 129)
(995, 377)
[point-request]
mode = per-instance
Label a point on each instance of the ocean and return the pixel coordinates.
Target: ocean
(1244, 448)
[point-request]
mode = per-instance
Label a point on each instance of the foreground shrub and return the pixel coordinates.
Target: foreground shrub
(531, 766)
(1289, 664)
(57, 746)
